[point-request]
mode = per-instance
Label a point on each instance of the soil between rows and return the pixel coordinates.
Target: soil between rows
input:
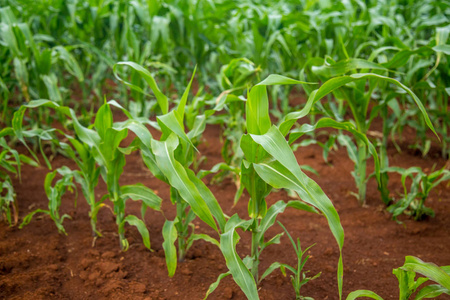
(38, 263)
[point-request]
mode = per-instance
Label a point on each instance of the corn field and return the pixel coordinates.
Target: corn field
(224, 149)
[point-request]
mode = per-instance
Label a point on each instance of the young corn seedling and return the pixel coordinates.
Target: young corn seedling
(188, 206)
(408, 285)
(413, 201)
(298, 278)
(105, 146)
(269, 162)
(54, 195)
(169, 160)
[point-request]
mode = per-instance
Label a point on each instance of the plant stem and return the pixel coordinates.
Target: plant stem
(361, 172)
(119, 220)
(181, 249)
(91, 202)
(181, 227)
(384, 158)
(255, 251)
(419, 211)
(119, 210)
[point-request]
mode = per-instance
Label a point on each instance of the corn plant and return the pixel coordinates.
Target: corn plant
(269, 162)
(104, 143)
(54, 194)
(173, 162)
(408, 285)
(413, 200)
(351, 89)
(191, 197)
(169, 160)
(298, 278)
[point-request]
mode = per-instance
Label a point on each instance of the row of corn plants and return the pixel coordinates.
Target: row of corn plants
(268, 162)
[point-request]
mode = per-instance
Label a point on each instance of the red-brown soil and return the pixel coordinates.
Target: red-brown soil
(38, 263)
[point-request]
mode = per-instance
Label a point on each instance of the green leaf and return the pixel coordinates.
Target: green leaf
(352, 150)
(169, 123)
(338, 82)
(51, 83)
(345, 140)
(160, 97)
(209, 198)
(269, 219)
(109, 144)
(139, 130)
(252, 152)
(70, 62)
(103, 120)
(169, 232)
(238, 270)
(428, 270)
(201, 236)
(140, 225)
(301, 206)
(183, 100)
(178, 178)
(27, 218)
(431, 291)
(275, 79)
(345, 66)
(442, 48)
(363, 293)
(141, 192)
(48, 183)
(275, 266)
(257, 188)
(257, 111)
(215, 284)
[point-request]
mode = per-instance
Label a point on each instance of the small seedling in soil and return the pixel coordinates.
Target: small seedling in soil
(298, 278)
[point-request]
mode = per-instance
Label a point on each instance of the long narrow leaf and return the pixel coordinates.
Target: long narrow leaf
(169, 232)
(160, 97)
(178, 178)
(240, 272)
(141, 192)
